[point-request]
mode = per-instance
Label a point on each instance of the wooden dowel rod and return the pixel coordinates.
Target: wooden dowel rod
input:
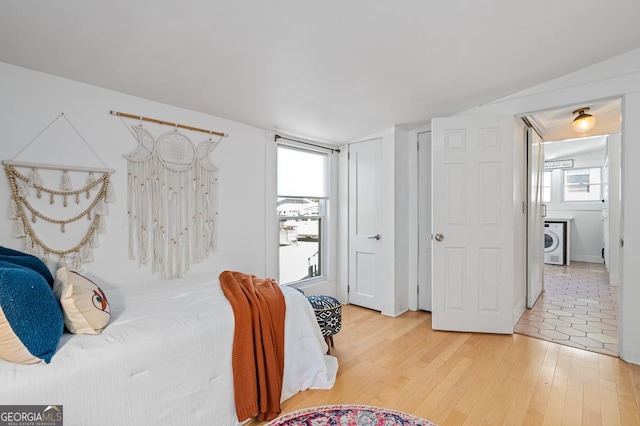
(55, 167)
(167, 123)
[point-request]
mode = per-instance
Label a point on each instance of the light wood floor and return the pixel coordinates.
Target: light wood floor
(464, 378)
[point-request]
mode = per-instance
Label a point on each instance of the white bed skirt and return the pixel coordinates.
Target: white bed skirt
(164, 359)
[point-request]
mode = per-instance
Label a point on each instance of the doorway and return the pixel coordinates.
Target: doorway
(578, 308)
(424, 221)
(581, 190)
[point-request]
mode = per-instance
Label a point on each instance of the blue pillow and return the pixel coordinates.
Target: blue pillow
(31, 320)
(27, 260)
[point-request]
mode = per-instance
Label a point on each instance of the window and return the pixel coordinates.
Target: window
(303, 190)
(583, 184)
(546, 187)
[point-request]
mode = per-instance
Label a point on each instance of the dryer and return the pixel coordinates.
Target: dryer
(554, 242)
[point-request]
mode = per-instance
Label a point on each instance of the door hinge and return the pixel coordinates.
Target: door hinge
(348, 288)
(418, 145)
(418, 288)
(621, 242)
(348, 155)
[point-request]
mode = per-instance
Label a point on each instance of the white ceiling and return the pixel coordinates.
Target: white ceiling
(555, 124)
(562, 142)
(595, 147)
(326, 70)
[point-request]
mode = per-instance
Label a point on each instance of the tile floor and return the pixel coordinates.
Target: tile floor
(578, 308)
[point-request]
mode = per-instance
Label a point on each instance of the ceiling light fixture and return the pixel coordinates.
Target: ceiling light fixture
(583, 122)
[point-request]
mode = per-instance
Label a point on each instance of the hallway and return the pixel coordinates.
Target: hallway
(578, 308)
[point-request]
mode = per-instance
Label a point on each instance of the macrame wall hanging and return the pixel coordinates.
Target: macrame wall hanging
(33, 200)
(172, 209)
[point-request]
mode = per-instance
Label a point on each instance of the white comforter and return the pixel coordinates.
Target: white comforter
(164, 359)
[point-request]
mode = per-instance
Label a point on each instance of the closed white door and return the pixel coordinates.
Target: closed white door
(535, 218)
(473, 223)
(365, 264)
(424, 221)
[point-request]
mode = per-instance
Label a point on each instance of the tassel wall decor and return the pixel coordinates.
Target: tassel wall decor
(23, 212)
(171, 202)
(26, 211)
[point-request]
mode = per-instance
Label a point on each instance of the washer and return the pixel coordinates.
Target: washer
(554, 243)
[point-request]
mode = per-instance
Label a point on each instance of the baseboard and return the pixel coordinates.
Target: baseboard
(394, 314)
(586, 258)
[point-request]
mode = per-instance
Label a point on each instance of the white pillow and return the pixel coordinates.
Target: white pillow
(85, 307)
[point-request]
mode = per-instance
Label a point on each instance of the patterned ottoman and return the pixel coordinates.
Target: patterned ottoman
(329, 315)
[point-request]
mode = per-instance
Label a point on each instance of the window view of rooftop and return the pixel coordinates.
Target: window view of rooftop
(300, 227)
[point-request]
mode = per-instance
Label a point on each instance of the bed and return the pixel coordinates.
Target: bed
(164, 359)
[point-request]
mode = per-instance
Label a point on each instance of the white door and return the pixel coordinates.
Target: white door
(424, 221)
(473, 223)
(364, 223)
(605, 213)
(535, 218)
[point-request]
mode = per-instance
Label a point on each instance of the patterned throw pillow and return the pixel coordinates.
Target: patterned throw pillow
(86, 309)
(31, 321)
(27, 260)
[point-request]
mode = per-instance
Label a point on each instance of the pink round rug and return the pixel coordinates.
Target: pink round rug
(348, 415)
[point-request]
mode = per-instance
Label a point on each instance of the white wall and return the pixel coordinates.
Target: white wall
(388, 253)
(342, 252)
(31, 100)
(617, 77)
(629, 329)
(401, 219)
(587, 226)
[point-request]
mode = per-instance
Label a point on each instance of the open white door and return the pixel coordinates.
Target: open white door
(605, 213)
(424, 221)
(535, 218)
(473, 223)
(365, 206)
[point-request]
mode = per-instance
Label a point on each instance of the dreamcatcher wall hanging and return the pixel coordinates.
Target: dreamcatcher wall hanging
(172, 199)
(44, 196)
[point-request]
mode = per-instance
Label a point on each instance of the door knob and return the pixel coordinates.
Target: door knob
(439, 237)
(375, 237)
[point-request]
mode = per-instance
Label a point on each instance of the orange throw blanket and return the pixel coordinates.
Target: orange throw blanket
(258, 343)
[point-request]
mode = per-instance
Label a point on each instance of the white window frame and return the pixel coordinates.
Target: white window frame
(325, 240)
(546, 185)
(566, 185)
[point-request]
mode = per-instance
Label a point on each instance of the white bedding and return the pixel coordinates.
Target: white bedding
(164, 359)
